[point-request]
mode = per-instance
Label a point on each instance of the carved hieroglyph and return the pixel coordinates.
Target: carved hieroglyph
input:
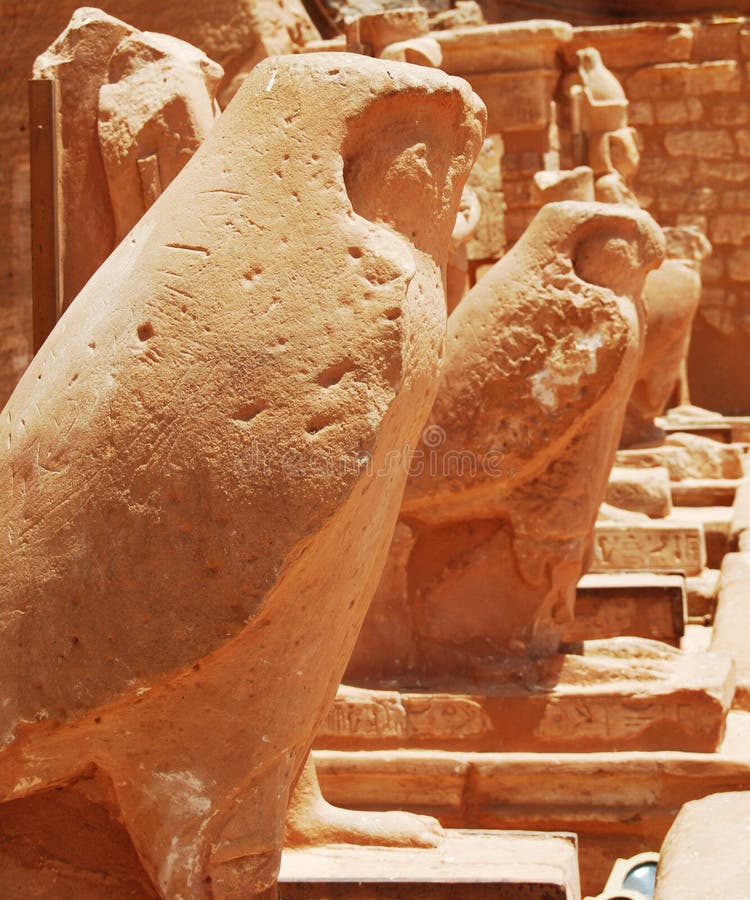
(193, 513)
(649, 547)
(498, 516)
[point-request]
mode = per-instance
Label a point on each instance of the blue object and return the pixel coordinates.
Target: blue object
(642, 878)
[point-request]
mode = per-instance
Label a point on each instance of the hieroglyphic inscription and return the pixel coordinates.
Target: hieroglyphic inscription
(655, 547)
(388, 715)
(439, 716)
(370, 716)
(611, 718)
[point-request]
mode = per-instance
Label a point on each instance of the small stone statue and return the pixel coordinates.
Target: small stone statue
(672, 292)
(612, 147)
(497, 520)
(156, 110)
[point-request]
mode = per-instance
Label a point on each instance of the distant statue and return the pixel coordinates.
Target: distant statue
(611, 144)
(467, 222)
(604, 141)
(673, 292)
(133, 108)
(400, 34)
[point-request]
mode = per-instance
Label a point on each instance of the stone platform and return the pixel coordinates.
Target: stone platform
(468, 865)
(718, 429)
(620, 694)
(687, 456)
(727, 429)
(704, 491)
(619, 803)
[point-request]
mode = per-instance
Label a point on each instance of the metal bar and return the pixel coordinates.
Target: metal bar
(45, 257)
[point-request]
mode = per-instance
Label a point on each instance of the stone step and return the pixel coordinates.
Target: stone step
(622, 693)
(705, 491)
(727, 429)
(717, 430)
(466, 865)
(701, 594)
(687, 456)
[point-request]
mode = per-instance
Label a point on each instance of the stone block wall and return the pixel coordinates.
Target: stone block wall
(689, 91)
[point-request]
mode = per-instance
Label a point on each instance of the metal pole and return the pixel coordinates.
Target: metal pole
(45, 241)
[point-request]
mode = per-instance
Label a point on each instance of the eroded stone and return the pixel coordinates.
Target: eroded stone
(133, 109)
(503, 493)
(196, 436)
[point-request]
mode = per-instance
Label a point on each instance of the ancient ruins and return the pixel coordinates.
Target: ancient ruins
(374, 451)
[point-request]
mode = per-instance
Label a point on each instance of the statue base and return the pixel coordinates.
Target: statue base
(467, 865)
(618, 694)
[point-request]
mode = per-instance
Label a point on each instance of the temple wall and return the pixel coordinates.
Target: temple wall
(590, 12)
(690, 100)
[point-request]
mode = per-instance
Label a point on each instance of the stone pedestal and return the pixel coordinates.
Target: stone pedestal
(621, 694)
(640, 605)
(649, 546)
(619, 803)
(467, 865)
